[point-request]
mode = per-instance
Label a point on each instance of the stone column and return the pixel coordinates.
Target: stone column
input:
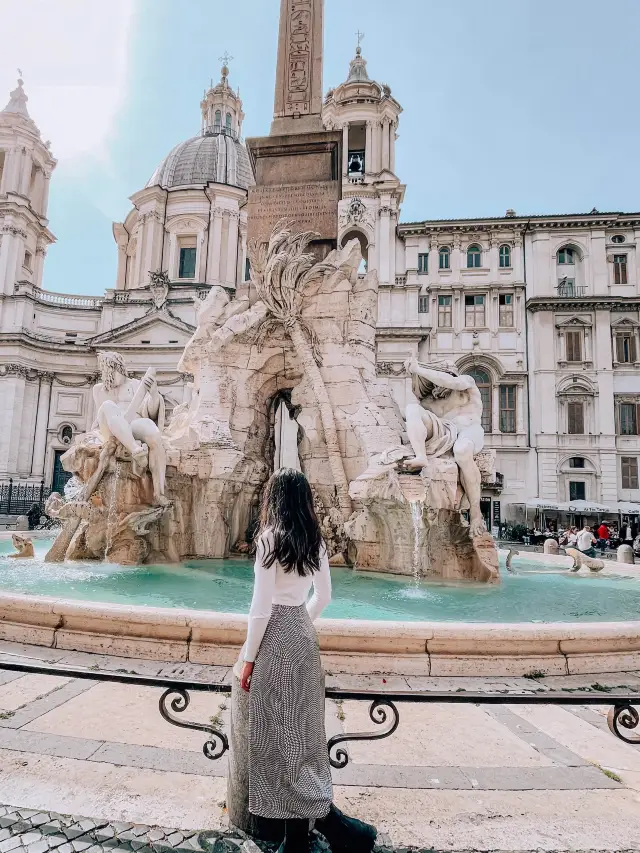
(385, 143)
(122, 264)
(215, 245)
(38, 268)
(495, 408)
(345, 150)
(375, 145)
(10, 255)
(42, 425)
(520, 398)
(392, 146)
(385, 212)
(455, 257)
(368, 153)
(45, 193)
(516, 261)
(232, 249)
(11, 417)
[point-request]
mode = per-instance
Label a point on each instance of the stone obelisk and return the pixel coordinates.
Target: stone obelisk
(298, 101)
(297, 167)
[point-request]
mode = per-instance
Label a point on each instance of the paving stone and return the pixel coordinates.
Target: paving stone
(39, 847)
(29, 837)
(39, 819)
(4, 834)
(8, 820)
(10, 844)
(155, 834)
(104, 833)
(80, 845)
(66, 848)
(55, 841)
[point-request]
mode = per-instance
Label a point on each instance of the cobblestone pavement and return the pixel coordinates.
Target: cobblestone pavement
(30, 831)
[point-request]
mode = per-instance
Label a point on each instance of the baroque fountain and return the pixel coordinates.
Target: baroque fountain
(390, 493)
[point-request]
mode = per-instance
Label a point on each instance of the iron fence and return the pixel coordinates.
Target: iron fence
(623, 718)
(17, 498)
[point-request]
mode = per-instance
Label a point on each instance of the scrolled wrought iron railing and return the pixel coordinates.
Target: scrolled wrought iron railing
(17, 498)
(623, 718)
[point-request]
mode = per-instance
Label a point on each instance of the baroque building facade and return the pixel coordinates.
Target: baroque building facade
(543, 311)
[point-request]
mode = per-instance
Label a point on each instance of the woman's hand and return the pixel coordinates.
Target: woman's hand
(245, 678)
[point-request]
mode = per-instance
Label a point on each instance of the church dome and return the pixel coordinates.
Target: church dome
(216, 156)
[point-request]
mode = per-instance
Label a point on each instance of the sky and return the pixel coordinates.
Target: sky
(523, 104)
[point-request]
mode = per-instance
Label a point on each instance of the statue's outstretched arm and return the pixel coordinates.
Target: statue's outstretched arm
(440, 378)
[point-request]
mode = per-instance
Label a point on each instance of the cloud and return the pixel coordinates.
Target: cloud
(73, 55)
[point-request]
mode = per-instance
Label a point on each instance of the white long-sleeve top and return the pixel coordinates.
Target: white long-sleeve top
(275, 586)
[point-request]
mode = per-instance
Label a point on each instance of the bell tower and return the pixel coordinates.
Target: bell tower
(366, 114)
(26, 165)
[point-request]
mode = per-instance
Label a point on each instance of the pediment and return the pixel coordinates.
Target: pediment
(625, 323)
(155, 329)
(574, 322)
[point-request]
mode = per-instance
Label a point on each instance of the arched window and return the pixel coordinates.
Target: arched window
(474, 257)
(66, 434)
(228, 122)
(576, 462)
(566, 255)
(217, 124)
(483, 381)
(505, 257)
(445, 258)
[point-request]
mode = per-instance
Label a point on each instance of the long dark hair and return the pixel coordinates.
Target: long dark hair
(288, 514)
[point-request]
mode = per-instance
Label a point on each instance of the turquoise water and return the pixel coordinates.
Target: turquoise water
(226, 585)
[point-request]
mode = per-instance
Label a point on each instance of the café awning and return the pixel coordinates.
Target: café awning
(627, 508)
(541, 503)
(586, 507)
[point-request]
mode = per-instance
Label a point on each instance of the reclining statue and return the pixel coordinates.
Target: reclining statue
(447, 418)
(131, 411)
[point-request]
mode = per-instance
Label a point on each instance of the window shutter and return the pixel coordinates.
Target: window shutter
(632, 349)
(619, 348)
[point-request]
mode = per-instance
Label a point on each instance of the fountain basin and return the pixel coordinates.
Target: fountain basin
(442, 644)
(347, 646)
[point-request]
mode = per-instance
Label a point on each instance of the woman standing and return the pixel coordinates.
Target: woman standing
(289, 771)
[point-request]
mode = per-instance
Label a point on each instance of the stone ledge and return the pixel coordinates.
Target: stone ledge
(347, 646)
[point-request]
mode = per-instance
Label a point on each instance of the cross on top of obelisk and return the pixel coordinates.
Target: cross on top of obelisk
(360, 37)
(298, 100)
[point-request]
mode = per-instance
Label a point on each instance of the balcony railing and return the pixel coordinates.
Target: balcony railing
(216, 129)
(571, 291)
(67, 299)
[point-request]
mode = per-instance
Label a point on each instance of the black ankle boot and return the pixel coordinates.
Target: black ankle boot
(296, 839)
(346, 834)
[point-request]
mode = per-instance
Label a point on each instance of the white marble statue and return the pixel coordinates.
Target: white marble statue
(132, 412)
(447, 418)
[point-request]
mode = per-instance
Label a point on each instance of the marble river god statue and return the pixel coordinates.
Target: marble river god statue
(447, 418)
(132, 412)
(119, 469)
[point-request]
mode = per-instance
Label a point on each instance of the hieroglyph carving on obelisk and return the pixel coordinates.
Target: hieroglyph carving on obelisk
(298, 100)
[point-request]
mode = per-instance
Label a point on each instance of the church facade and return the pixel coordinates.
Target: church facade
(543, 311)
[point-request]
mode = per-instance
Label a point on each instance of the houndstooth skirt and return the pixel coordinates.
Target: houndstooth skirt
(289, 771)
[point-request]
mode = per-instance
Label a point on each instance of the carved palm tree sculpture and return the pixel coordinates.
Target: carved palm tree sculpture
(281, 271)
